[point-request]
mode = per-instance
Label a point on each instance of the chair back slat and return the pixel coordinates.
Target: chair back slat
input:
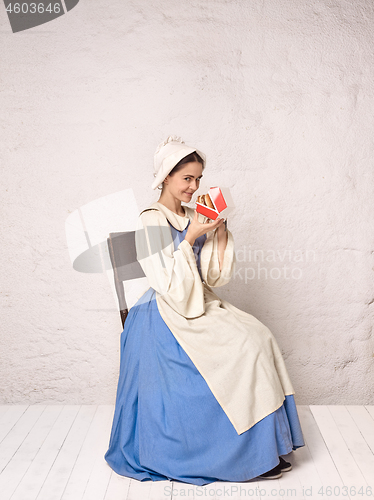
(122, 253)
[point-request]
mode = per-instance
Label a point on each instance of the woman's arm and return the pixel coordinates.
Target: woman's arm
(172, 273)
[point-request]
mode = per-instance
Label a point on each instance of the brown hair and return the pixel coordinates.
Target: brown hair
(187, 159)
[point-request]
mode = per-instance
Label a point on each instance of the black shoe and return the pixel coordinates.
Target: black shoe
(285, 466)
(275, 473)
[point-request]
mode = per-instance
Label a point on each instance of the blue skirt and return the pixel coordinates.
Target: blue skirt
(168, 425)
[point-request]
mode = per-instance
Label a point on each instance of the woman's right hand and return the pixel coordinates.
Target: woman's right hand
(197, 229)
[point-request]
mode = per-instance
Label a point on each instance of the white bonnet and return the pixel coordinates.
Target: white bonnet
(167, 155)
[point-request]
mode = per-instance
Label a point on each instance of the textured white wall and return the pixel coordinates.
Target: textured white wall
(278, 94)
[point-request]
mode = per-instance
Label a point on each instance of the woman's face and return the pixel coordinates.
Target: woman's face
(185, 182)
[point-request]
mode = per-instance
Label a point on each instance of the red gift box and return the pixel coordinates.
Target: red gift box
(219, 203)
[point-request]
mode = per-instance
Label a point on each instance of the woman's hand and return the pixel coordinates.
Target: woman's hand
(197, 229)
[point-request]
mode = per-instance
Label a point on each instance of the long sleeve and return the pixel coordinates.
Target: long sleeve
(172, 273)
(210, 262)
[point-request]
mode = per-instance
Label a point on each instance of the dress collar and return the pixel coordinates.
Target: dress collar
(178, 221)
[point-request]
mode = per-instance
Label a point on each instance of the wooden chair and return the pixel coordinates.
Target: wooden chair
(122, 253)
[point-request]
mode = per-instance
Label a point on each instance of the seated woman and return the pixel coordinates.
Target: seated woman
(203, 391)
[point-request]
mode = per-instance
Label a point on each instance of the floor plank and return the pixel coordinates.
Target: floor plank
(355, 442)
(118, 487)
(370, 410)
(160, 490)
(364, 422)
(267, 488)
(52, 452)
(32, 482)
(322, 458)
(16, 435)
(302, 459)
(60, 471)
(139, 489)
(9, 419)
(3, 410)
(26, 453)
(347, 468)
(91, 451)
(98, 481)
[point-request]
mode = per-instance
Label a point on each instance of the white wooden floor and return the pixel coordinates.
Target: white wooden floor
(56, 452)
